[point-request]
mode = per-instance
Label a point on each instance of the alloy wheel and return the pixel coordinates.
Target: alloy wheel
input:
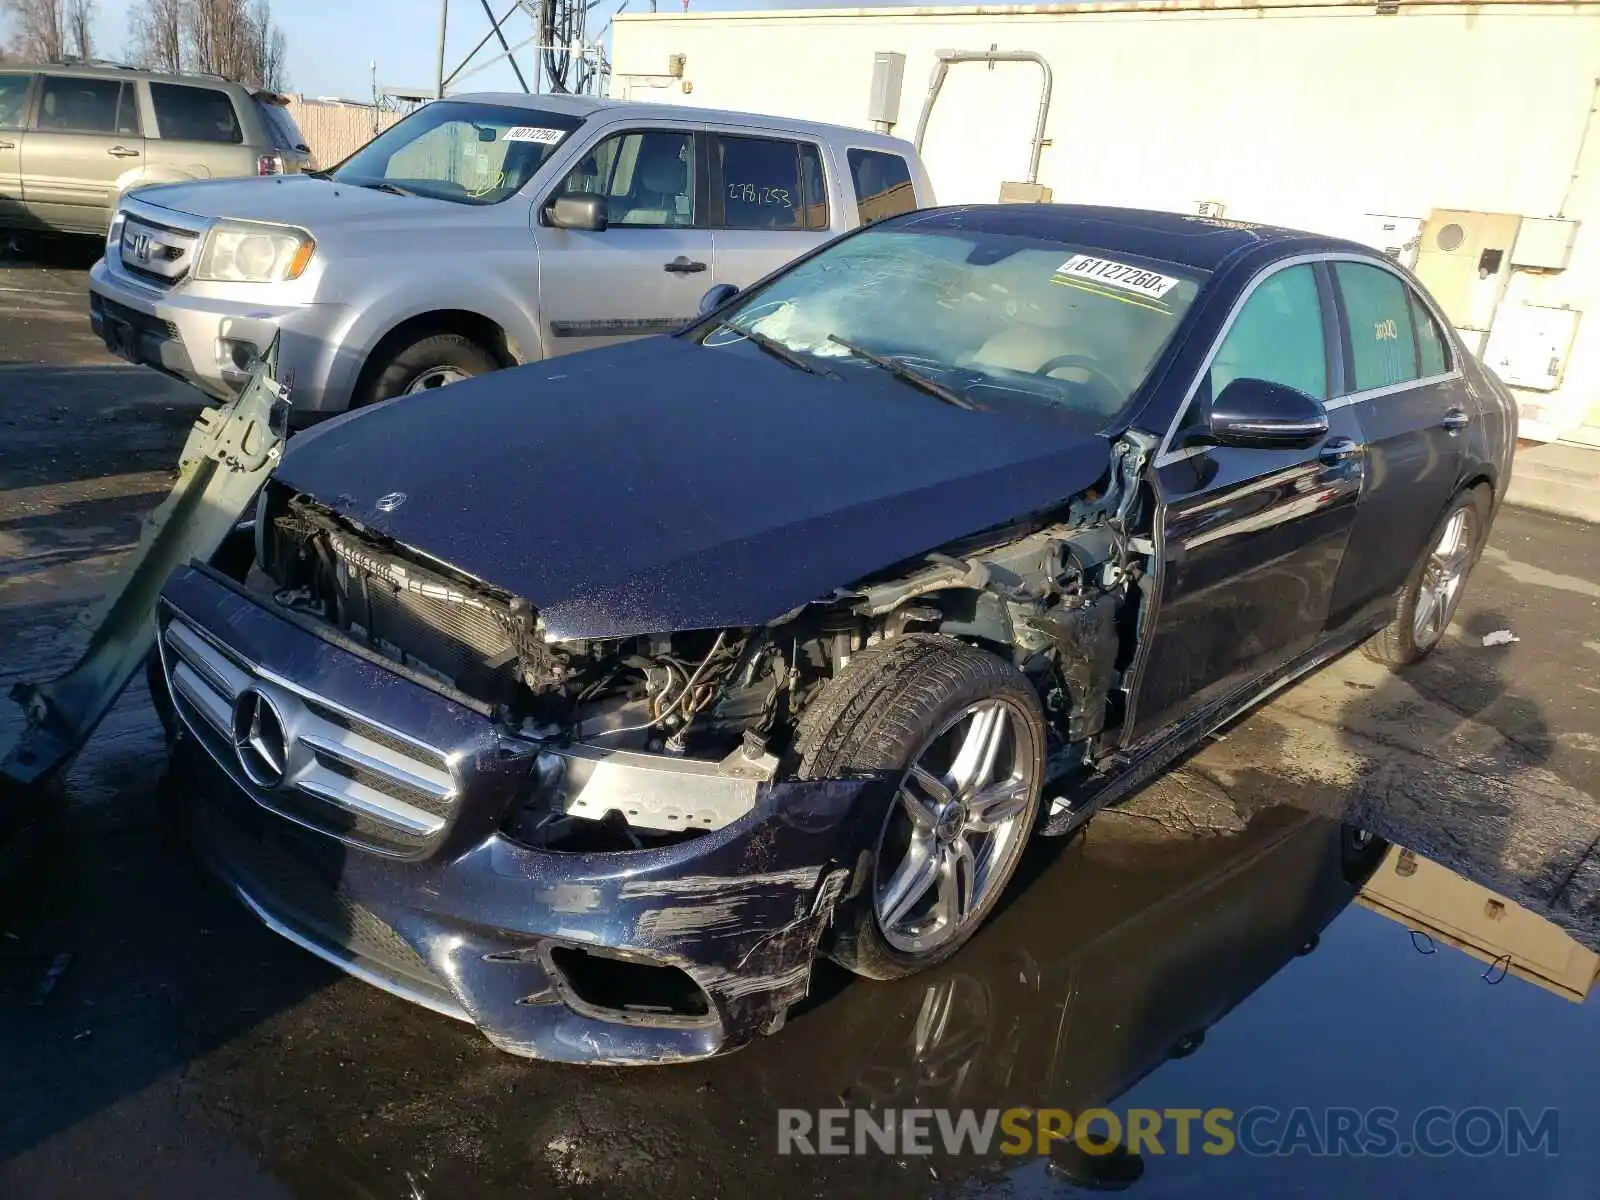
(1444, 576)
(955, 829)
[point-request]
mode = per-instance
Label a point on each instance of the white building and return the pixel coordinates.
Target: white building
(1463, 136)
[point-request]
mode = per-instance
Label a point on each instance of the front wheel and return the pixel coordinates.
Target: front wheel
(430, 362)
(963, 735)
(1433, 591)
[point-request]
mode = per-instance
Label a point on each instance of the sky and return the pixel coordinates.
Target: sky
(333, 42)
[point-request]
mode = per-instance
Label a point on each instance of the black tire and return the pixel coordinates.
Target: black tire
(398, 372)
(1396, 644)
(879, 716)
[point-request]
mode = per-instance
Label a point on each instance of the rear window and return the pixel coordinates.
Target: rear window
(195, 114)
(281, 126)
(771, 184)
(882, 183)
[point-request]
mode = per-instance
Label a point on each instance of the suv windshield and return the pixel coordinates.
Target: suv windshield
(459, 151)
(1001, 320)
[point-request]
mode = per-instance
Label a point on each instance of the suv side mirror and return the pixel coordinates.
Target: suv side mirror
(716, 296)
(578, 210)
(1258, 414)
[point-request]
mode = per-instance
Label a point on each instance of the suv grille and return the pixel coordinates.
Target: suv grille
(300, 756)
(158, 254)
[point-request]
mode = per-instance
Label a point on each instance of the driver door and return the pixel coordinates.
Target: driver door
(1250, 539)
(646, 271)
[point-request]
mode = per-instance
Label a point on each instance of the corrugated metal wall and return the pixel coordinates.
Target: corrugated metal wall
(336, 131)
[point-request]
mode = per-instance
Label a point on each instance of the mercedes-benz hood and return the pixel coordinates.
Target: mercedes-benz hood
(662, 486)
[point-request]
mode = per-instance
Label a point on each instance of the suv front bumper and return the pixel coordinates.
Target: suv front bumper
(207, 341)
(643, 956)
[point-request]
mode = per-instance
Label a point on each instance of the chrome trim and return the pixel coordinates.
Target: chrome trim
(1165, 456)
(214, 682)
(350, 963)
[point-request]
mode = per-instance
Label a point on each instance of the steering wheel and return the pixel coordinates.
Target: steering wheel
(1083, 363)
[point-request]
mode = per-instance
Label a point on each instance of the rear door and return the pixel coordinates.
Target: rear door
(1411, 399)
(15, 89)
(769, 202)
(1250, 539)
(645, 272)
(86, 138)
(198, 134)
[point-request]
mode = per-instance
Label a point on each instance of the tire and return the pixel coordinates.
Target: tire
(409, 369)
(1400, 643)
(917, 701)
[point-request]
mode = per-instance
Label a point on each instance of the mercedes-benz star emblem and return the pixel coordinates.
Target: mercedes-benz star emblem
(390, 502)
(259, 740)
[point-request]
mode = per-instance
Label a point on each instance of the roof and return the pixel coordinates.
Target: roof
(585, 106)
(1203, 243)
(114, 71)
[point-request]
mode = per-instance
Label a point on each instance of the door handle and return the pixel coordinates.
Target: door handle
(682, 266)
(1337, 450)
(122, 152)
(8, 145)
(1456, 419)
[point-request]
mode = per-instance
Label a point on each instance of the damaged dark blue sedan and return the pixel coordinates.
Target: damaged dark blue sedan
(591, 702)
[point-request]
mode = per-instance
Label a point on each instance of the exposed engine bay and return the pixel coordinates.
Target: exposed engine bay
(1059, 597)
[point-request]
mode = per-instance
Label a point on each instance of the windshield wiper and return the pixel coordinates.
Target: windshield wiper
(382, 185)
(907, 375)
(775, 348)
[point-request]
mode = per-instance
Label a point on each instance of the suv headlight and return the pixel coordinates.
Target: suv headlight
(240, 253)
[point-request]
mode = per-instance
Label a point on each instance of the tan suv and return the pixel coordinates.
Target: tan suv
(74, 139)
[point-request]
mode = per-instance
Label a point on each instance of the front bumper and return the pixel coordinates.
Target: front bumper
(646, 956)
(206, 341)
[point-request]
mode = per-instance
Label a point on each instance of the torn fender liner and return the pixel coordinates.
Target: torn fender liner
(659, 485)
(229, 453)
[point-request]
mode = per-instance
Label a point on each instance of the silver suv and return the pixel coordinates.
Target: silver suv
(480, 232)
(73, 140)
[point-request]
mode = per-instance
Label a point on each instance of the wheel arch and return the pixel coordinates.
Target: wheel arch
(475, 327)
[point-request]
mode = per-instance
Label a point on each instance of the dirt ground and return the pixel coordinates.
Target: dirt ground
(186, 1050)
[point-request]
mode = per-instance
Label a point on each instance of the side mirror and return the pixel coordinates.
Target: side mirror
(578, 210)
(716, 296)
(1256, 414)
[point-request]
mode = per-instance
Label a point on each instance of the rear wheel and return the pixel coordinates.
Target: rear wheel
(962, 733)
(433, 361)
(1428, 603)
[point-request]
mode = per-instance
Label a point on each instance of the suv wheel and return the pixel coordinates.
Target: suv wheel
(963, 734)
(429, 362)
(1428, 602)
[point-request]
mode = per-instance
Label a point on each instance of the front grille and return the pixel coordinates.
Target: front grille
(141, 323)
(156, 253)
(303, 757)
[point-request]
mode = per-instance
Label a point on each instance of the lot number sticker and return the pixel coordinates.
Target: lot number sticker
(532, 133)
(1118, 275)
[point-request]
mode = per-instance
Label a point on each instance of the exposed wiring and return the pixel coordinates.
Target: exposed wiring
(696, 700)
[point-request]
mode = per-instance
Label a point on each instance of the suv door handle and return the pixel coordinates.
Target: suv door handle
(122, 152)
(1455, 419)
(682, 266)
(8, 145)
(1337, 450)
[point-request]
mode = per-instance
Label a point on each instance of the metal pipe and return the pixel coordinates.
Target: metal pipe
(444, 26)
(942, 68)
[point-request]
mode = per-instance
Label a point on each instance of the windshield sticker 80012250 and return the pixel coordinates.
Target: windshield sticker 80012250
(533, 133)
(1109, 273)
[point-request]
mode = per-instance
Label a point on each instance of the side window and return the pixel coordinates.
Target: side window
(647, 178)
(771, 184)
(195, 114)
(68, 105)
(882, 183)
(128, 124)
(1383, 345)
(1277, 336)
(13, 99)
(1432, 351)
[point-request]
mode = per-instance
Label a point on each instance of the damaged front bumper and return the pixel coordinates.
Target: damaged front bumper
(360, 814)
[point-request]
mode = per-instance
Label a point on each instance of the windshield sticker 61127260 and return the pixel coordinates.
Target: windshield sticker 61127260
(1109, 273)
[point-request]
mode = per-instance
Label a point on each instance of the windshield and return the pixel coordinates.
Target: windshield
(459, 151)
(1000, 320)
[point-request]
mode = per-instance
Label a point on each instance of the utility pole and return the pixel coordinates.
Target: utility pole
(444, 26)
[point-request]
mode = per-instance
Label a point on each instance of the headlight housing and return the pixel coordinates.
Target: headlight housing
(236, 252)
